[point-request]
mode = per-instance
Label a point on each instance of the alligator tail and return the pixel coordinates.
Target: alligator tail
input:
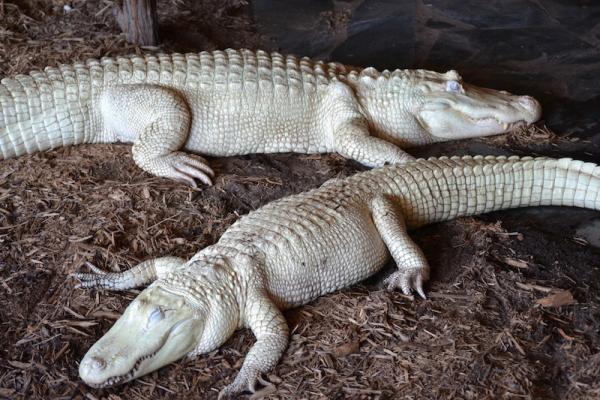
(475, 185)
(45, 110)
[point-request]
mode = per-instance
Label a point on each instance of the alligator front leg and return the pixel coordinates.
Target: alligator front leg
(413, 268)
(350, 134)
(270, 328)
(158, 121)
(352, 140)
(142, 274)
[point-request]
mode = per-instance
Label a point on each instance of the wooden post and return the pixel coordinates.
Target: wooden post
(137, 18)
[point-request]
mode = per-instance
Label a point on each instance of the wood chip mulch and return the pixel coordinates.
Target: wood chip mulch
(513, 312)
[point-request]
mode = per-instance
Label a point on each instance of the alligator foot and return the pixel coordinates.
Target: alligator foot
(407, 280)
(185, 168)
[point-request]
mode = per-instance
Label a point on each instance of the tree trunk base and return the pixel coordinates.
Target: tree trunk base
(138, 20)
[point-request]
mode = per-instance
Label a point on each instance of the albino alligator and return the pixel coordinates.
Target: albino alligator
(295, 249)
(238, 102)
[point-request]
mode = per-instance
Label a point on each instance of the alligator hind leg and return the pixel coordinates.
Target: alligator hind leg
(413, 268)
(142, 274)
(157, 120)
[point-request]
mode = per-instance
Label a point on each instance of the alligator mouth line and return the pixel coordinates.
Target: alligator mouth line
(115, 380)
(482, 120)
(504, 125)
(491, 119)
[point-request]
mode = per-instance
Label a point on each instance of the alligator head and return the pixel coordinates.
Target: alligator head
(434, 107)
(189, 312)
(157, 328)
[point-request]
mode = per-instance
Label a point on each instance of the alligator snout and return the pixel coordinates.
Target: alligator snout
(532, 106)
(528, 101)
(91, 365)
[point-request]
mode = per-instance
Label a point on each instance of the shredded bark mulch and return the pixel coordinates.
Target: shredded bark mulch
(513, 309)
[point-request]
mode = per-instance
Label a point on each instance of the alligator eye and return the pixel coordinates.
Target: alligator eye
(453, 86)
(156, 315)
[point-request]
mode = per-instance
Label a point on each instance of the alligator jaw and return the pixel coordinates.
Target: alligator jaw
(497, 125)
(118, 379)
(87, 369)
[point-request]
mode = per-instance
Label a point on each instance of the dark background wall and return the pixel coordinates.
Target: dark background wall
(546, 48)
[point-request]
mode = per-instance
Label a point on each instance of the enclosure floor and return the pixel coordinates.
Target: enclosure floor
(491, 328)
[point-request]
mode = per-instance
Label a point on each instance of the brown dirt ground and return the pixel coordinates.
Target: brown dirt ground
(489, 329)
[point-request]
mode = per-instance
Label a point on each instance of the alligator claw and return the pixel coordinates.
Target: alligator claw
(408, 280)
(187, 168)
(240, 384)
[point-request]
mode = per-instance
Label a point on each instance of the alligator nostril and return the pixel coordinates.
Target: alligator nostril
(97, 363)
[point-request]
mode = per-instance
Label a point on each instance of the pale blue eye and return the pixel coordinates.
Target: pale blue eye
(156, 315)
(453, 86)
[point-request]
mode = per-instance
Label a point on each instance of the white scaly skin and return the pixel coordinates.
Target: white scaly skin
(295, 249)
(232, 102)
